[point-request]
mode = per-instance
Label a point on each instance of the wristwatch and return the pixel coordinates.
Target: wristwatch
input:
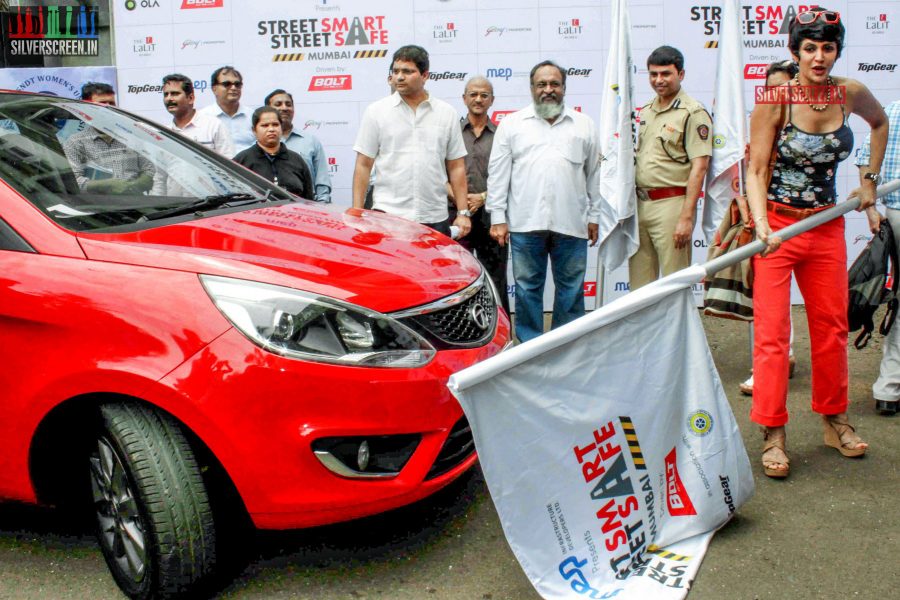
(873, 177)
(464, 213)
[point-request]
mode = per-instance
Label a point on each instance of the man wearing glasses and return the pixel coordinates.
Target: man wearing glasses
(227, 85)
(542, 197)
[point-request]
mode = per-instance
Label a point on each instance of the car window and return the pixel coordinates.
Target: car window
(91, 167)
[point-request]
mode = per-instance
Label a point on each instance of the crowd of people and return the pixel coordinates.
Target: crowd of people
(526, 191)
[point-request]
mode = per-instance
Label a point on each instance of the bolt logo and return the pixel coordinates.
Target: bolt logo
(700, 423)
(324, 83)
(677, 500)
(755, 71)
(499, 114)
(201, 4)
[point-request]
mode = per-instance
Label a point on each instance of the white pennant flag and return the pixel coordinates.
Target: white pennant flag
(618, 217)
(724, 178)
(609, 447)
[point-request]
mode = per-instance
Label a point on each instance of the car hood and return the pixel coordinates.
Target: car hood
(368, 258)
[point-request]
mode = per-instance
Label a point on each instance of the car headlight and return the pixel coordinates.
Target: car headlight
(312, 327)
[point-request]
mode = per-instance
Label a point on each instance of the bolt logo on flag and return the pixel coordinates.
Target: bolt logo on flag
(623, 486)
(677, 498)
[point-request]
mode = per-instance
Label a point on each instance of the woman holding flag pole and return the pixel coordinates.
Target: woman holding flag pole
(801, 127)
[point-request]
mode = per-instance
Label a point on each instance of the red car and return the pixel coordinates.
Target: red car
(184, 343)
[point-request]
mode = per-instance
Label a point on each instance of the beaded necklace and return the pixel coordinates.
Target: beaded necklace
(829, 85)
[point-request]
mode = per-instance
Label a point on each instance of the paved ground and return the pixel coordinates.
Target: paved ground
(831, 531)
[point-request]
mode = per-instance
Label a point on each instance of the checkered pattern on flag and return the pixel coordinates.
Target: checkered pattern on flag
(729, 122)
(618, 208)
(609, 447)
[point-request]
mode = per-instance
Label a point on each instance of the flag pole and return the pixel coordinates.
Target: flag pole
(636, 300)
(735, 256)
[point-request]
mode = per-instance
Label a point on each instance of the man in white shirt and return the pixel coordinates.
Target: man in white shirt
(415, 143)
(543, 199)
(227, 87)
(178, 98)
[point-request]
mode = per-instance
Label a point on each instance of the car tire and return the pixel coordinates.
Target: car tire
(154, 521)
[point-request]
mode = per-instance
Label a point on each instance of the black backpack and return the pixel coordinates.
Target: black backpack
(873, 282)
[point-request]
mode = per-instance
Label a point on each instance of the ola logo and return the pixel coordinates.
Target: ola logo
(700, 423)
(130, 4)
(718, 141)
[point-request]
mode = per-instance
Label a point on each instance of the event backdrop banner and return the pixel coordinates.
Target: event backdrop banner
(334, 55)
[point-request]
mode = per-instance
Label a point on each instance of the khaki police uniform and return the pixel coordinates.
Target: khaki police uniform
(667, 141)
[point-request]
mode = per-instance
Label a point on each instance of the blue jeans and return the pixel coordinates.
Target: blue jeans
(568, 259)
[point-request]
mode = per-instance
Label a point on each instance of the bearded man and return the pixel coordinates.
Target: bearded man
(543, 200)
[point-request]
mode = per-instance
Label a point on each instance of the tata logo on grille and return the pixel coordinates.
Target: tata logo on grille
(479, 316)
(755, 71)
(201, 4)
(325, 83)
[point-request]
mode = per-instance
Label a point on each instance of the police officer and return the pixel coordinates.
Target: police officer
(673, 153)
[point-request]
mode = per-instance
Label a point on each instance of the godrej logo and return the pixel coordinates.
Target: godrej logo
(677, 500)
(324, 83)
(201, 4)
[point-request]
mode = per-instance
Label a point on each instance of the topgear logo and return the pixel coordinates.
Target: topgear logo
(677, 500)
(866, 67)
(447, 75)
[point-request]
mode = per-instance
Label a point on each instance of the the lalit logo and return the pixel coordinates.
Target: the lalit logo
(877, 23)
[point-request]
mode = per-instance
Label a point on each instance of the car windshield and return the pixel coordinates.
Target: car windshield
(90, 167)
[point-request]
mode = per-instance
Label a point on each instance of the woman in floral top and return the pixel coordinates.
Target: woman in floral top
(803, 123)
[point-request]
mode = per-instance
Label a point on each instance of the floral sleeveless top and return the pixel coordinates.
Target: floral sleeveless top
(805, 165)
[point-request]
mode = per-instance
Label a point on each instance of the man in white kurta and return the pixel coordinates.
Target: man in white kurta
(543, 199)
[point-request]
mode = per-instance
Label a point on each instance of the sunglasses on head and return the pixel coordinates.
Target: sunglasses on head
(830, 17)
(230, 84)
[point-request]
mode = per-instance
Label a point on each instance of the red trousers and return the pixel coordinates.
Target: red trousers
(818, 259)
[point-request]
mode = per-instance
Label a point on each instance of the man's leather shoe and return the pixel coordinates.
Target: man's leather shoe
(886, 407)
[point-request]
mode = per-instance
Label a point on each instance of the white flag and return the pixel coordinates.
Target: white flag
(618, 217)
(729, 122)
(609, 447)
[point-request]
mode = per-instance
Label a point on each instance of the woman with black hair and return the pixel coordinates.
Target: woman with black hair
(804, 124)
(270, 158)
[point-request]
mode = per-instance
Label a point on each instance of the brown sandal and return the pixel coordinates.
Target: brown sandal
(841, 435)
(772, 447)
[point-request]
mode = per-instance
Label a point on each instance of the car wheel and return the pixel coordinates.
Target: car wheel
(154, 521)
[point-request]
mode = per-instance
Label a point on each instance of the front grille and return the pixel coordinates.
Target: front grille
(458, 446)
(456, 326)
